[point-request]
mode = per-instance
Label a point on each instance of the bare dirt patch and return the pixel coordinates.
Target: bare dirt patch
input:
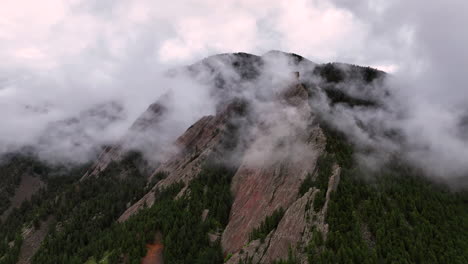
(154, 254)
(155, 251)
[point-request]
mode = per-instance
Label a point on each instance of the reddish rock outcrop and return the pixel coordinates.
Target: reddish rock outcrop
(202, 140)
(262, 185)
(283, 142)
(294, 230)
(274, 167)
(260, 190)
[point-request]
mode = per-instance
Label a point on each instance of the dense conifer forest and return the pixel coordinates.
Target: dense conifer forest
(397, 217)
(392, 215)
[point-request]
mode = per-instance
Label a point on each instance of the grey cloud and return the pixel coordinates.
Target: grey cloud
(76, 56)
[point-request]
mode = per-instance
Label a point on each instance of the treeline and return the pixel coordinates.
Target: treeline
(86, 209)
(323, 171)
(85, 212)
(12, 168)
(38, 208)
(266, 226)
(399, 217)
(340, 72)
(337, 96)
(95, 235)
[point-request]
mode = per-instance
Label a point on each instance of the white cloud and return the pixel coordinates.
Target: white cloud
(58, 57)
(318, 29)
(389, 68)
(201, 35)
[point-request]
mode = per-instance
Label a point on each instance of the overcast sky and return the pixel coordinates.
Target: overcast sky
(91, 43)
(59, 57)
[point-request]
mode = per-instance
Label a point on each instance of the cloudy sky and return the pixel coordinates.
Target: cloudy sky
(59, 57)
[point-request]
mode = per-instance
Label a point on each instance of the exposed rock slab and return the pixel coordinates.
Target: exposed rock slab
(32, 240)
(29, 185)
(148, 121)
(274, 166)
(294, 231)
(202, 140)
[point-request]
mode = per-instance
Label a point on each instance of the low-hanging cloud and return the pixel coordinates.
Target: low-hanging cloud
(59, 59)
(430, 92)
(62, 60)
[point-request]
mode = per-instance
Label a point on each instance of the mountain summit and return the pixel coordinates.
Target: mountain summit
(272, 175)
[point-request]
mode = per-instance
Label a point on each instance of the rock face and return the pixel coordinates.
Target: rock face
(281, 141)
(263, 126)
(203, 139)
(277, 140)
(260, 190)
(148, 121)
(32, 240)
(269, 182)
(293, 231)
(29, 185)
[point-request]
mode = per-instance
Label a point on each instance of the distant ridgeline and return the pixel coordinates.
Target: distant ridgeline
(397, 216)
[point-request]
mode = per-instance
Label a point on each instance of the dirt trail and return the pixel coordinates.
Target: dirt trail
(154, 254)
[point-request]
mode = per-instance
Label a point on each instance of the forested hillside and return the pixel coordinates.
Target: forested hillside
(306, 199)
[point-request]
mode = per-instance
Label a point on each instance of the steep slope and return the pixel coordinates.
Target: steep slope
(265, 178)
(32, 239)
(148, 122)
(207, 137)
(28, 186)
(278, 157)
(267, 183)
(276, 161)
(19, 180)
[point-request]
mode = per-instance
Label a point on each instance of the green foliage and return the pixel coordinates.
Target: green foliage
(35, 210)
(408, 218)
(156, 178)
(369, 74)
(11, 256)
(228, 256)
(337, 146)
(314, 245)
(85, 212)
(246, 260)
(290, 260)
(269, 224)
(87, 208)
(12, 168)
(338, 73)
(324, 171)
(338, 96)
(185, 234)
(330, 73)
(306, 185)
(334, 75)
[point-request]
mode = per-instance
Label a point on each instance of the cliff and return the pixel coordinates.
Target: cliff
(276, 144)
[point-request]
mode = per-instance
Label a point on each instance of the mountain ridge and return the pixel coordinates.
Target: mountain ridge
(266, 178)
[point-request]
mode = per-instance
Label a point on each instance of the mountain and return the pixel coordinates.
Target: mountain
(268, 177)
